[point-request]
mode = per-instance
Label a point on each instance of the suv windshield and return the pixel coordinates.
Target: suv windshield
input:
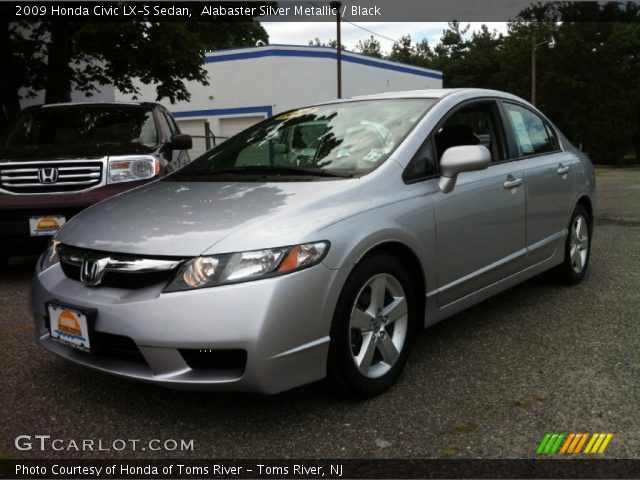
(84, 125)
(342, 140)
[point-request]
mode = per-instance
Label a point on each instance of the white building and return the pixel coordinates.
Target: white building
(247, 85)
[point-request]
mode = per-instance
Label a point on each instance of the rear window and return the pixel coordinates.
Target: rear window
(84, 125)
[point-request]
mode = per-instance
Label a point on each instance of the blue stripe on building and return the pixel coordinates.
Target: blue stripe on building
(266, 109)
(346, 57)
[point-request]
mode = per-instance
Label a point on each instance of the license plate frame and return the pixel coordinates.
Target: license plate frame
(45, 225)
(76, 329)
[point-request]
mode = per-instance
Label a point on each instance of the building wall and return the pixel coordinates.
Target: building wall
(258, 82)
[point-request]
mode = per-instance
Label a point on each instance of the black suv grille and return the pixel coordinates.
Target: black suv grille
(50, 177)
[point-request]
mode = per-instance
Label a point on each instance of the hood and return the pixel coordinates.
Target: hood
(70, 152)
(186, 219)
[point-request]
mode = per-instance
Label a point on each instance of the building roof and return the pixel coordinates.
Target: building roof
(232, 54)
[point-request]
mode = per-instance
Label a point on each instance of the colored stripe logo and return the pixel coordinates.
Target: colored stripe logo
(572, 443)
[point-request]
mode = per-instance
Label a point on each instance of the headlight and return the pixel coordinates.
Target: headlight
(132, 167)
(50, 256)
(228, 268)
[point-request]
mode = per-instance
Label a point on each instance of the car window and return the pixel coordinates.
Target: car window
(84, 125)
(173, 128)
(533, 136)
(472, 125)
(351, 138)
(423, 164)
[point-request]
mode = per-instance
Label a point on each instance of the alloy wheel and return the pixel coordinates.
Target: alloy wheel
(378, 325)
(579, 243)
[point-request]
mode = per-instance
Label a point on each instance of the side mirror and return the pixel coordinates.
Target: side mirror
(279, 148)
(465, 158)
(180, 142)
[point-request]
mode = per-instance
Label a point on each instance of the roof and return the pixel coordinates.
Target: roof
(300, 51)
(438, 93)
(84, 104)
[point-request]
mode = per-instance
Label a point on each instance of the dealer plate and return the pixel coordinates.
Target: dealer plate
(69, 326)
(45, 225)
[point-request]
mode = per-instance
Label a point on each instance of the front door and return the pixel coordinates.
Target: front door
(480, 225)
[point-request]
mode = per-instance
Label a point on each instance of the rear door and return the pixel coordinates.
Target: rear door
(549, 174)
(480, 225)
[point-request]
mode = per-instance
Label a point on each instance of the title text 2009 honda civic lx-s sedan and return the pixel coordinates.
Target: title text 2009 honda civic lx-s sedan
(316, 243)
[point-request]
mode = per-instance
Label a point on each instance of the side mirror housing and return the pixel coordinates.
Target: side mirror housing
(180, 142)
(279, 148)
(465, 158)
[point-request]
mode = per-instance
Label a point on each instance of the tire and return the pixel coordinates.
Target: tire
(379, 342)
(4, 263)
(577, 249)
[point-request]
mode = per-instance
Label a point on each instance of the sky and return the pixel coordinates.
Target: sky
(299, 33)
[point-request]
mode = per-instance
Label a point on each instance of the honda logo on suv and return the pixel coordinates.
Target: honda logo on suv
(48, 175)
(91, 271)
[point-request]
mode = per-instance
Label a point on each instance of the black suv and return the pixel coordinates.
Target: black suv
(58, 159)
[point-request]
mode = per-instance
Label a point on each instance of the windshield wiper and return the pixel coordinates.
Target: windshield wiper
(271, 170)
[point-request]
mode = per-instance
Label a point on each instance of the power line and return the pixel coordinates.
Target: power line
(371, 31)
(361, 27)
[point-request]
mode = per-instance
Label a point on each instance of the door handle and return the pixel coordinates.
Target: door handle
(512, 182)
(562, 169)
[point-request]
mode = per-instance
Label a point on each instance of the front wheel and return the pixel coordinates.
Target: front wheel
(372, 327)
(577, 249)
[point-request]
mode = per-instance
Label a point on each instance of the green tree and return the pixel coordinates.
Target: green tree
(424, 55)
(589, 83)
(402, 50)
(316, 42)
(23, 63)
(370, 47)
(449, 53)
(62, 56)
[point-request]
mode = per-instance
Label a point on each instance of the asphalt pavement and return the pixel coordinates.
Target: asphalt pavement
(487, 383)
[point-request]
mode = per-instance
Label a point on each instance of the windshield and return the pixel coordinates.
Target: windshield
(84, 125)
(342, 140)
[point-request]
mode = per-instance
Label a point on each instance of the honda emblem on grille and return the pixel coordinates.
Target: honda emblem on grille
(91, 271)
(48, 175)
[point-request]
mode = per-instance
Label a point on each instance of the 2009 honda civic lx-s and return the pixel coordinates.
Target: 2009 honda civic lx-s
(317, 243)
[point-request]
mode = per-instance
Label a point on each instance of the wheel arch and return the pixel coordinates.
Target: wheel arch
(587, 204)
(411, 262)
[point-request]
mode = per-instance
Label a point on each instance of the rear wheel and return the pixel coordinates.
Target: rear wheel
(372, 327)
(577, 249)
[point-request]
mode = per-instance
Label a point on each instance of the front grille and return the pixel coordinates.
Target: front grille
(50, 177)
(124, 271)
(130, 281)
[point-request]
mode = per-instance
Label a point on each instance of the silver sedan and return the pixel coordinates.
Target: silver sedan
(317, 243)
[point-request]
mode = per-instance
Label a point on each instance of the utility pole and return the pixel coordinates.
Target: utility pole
(337, 6)
(534, 47)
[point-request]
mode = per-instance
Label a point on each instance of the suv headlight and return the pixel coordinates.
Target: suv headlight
(50, 256)
(210, 271)
(128, 168)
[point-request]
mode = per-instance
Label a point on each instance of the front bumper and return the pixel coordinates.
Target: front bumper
(281, 323)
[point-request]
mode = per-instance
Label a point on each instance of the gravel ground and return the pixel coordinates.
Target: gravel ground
(487, 383)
